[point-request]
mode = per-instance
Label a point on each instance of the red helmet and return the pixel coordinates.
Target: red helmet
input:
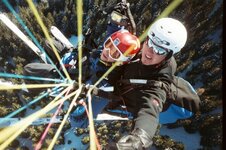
(123, 45)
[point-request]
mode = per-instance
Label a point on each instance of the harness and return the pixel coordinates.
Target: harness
(128, 85)
(131, 84)
(143, 82)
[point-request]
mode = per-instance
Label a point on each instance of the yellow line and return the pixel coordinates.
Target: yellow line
(29, 86)
(79, 23)
(64, 120)
(107, 72)
(91, 123)
(10, 133)
(33, 8)
(60, 95)
(173, 5)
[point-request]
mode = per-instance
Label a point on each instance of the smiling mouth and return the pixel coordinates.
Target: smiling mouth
(148, 57)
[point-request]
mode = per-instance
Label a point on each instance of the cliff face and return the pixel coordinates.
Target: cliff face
(199, 62)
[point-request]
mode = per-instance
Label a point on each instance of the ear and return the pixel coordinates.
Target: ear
(169, 55)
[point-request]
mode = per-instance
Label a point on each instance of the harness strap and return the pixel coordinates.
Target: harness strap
(142, 82)
(107, 95)
(130, 85)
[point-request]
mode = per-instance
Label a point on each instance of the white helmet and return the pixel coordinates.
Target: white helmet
(168, 33)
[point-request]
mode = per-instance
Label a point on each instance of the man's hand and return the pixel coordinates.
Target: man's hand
(94, 89)
(129, 142)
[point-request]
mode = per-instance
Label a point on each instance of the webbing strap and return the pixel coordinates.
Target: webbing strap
(142, 82)
(138, 81)
(108, 95)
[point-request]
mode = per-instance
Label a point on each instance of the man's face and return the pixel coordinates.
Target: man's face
(149, 56)
(111, 52)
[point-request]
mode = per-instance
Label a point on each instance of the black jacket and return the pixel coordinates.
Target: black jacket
(145, 102)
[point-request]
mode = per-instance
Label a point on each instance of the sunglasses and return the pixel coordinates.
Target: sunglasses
(157, 49)
(114, 52)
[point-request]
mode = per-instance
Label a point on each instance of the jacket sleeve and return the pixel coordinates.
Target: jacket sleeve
(151, 106)
(148, 103)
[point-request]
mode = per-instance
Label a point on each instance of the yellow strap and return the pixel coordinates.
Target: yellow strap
(92, 134)
(30, 86)
(79, 24)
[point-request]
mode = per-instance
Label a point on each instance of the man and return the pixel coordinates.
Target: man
(166, 37)
(113, 50)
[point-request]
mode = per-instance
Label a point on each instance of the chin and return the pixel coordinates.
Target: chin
(148, 62)
(145, 62)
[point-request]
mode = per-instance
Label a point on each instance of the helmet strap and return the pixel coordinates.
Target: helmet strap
(169, 55)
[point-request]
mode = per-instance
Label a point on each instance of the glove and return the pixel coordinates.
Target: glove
(137, 140)
(94, 91)
(129, 142)
(144, 137)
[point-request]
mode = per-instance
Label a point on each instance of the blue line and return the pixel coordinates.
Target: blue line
(30, 34)
(29, 104)
(9, 75)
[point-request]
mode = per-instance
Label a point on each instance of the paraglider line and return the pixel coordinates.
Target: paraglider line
(29, 104)
(9, 75)
(10, 133)
(38, 146)
(65, 118)
(28, 86)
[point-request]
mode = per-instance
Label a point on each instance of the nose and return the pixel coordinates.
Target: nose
(151, 50)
